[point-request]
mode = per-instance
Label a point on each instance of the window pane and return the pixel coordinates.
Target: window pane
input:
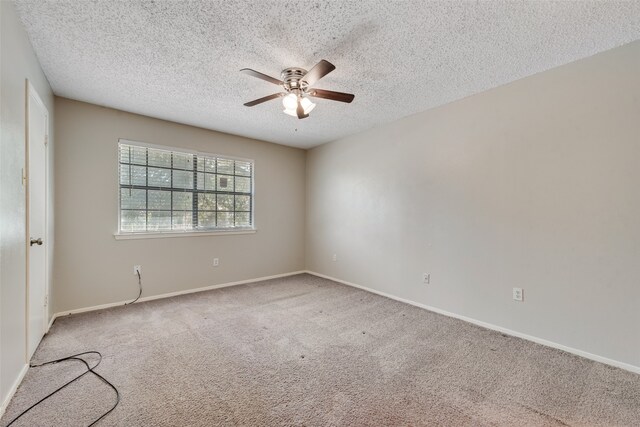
(210, 164)
(183, 220)
(124, 174)
(206, 164)
(206, 202)
(209, 181)
(225, 202)
(159, 177)
(242, 219)
(225, 219)
(159, 158)
(243, 203)
(133, 220)
(224, 183)
(206, 181)
(182, 179)
(183, 161)
(133, 199)
(135, 155)
(123, 155)
(225, 166)
(159, 200)
(138, 175)
(158, 220)
(243, 168)
(243, 185)
(182, 201)
(206, 219)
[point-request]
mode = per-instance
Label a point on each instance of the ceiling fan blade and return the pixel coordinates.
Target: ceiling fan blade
(318, 71)
(264, 77)
(264, 99)
(300, 110)
(334, 96)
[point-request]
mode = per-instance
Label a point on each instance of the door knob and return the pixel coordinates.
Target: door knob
(37, 241)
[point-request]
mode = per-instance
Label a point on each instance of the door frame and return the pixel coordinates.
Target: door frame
(31, 93)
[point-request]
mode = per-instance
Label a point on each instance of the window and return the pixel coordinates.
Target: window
(165, 190)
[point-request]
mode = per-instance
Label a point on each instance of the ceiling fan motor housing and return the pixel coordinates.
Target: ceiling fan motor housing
(292, 78)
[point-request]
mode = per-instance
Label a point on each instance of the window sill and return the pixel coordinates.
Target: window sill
(167, 234)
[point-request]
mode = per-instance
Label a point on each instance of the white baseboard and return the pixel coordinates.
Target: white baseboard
(173, 294)
(13, 389)
(581, 353)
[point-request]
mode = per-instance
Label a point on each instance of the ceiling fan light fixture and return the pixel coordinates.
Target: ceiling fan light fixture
(291, 105)
(297, 88)
(307, 105)
(290, 102)
(290, 112)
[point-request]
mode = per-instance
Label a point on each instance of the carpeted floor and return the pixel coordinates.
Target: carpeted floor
(307, 351)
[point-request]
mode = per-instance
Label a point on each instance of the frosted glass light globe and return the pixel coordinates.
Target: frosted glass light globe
(290, 102)
(307, 105)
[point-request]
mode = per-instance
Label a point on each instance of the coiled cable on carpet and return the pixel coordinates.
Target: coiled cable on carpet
(89, 369)
(140, 285)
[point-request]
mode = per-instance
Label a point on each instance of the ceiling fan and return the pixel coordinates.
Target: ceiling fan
(297, 84)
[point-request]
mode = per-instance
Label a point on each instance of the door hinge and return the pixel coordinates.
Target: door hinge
(24, 177)
(46, 300)
(46, 139)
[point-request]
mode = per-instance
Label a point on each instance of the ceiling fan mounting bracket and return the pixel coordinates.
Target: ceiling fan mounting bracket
(292, 78)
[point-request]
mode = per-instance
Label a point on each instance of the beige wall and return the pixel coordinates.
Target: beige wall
(18, 63)
(92, 268)
(533, 185)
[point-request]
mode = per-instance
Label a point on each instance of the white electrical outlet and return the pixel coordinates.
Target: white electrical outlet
(137, 269)
(216, 262)
(335, 257)
(518, 294)
(426, 278)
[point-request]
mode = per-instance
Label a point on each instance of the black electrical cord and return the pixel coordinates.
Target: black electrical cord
(89, 369)
(139, 293)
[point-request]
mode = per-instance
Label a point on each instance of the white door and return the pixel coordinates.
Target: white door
(37, 128)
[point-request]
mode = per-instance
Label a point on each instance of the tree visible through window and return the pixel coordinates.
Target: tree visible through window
(169, 190)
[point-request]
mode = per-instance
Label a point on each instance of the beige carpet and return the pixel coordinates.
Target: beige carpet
(307, 351)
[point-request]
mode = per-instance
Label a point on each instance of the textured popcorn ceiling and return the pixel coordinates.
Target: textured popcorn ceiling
(179, 60)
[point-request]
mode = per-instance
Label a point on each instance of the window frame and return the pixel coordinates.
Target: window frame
(124, 235)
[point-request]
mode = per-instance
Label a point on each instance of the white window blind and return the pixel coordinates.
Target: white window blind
(164, 190)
